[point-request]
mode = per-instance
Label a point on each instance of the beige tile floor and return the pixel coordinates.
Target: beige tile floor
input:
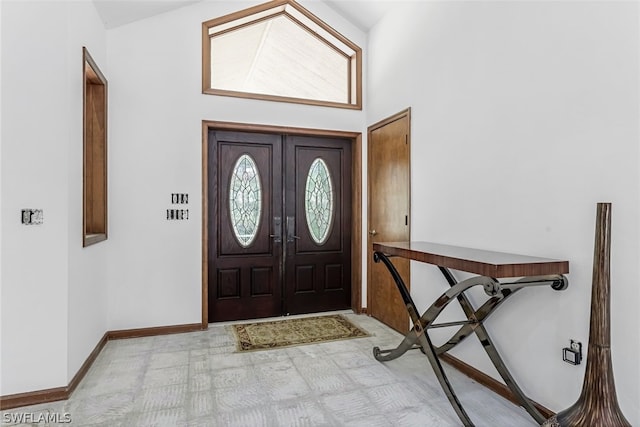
(197, 379)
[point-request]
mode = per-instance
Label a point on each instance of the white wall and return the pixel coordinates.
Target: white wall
(53, 302)
(524, 116)
(0, 193)
(34, 164)
(637, 374)
(156, 110)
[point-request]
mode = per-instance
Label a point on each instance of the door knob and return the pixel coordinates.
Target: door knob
(373, 232)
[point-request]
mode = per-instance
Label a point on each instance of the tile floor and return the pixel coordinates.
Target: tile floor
(197, 379)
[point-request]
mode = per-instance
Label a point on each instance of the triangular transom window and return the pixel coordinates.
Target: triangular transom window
(280, 51)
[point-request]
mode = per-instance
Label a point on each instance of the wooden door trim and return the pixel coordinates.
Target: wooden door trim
(400, 115)
(356, 199)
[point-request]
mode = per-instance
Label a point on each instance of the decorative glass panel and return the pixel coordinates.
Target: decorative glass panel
(245, 200)
(318, 202)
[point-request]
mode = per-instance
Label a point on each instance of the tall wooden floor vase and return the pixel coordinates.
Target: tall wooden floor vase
(597, 405)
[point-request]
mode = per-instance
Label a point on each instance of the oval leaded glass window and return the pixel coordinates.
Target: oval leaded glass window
(245, 200)
(318, 202)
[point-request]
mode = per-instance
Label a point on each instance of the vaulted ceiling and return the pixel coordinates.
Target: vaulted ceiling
(362, 13)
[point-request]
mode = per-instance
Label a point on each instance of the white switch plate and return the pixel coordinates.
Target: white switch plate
(32, 216)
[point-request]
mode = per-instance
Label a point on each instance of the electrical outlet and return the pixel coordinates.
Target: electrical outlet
(573, 353)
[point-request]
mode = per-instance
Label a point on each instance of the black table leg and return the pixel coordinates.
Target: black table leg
(474, 324)
(423, 340)
(486, 341)
(407, 344)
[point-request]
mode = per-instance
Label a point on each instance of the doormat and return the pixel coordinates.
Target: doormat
(292, 332)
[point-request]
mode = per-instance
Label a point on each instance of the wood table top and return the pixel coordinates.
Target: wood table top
(478, 261)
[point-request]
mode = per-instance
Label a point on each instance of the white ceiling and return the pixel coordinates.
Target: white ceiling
(120, 12)
(362, 13)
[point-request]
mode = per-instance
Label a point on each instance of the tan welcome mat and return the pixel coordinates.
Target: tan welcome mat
(290, 332)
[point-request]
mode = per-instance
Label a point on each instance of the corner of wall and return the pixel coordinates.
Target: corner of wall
(1, 212)
(88, 282)
(34, 147)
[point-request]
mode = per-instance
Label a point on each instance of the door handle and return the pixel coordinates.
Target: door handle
(373, 232)
(277, 230)
(291, 229)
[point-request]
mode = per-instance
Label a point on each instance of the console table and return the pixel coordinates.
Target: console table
(489, 267)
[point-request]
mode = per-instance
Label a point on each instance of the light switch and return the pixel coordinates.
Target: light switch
(32, 216)
(177, 214)
(179, 198)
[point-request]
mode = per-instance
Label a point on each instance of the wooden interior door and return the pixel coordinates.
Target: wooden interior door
(318, 224)
(388, 214)
(279, 225)
(245, 189)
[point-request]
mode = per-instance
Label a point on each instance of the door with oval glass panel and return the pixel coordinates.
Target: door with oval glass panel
(279, 225)
(318, 224)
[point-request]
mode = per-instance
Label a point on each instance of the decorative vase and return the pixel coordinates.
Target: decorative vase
(598, 403)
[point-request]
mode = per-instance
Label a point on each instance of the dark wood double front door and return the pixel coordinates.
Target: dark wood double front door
(279, 225)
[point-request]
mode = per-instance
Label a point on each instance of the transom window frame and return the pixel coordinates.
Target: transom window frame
(269, 10)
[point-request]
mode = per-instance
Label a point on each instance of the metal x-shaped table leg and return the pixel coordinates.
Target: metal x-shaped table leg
(474, 324)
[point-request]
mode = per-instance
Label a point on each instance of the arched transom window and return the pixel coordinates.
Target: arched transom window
(281, 51)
